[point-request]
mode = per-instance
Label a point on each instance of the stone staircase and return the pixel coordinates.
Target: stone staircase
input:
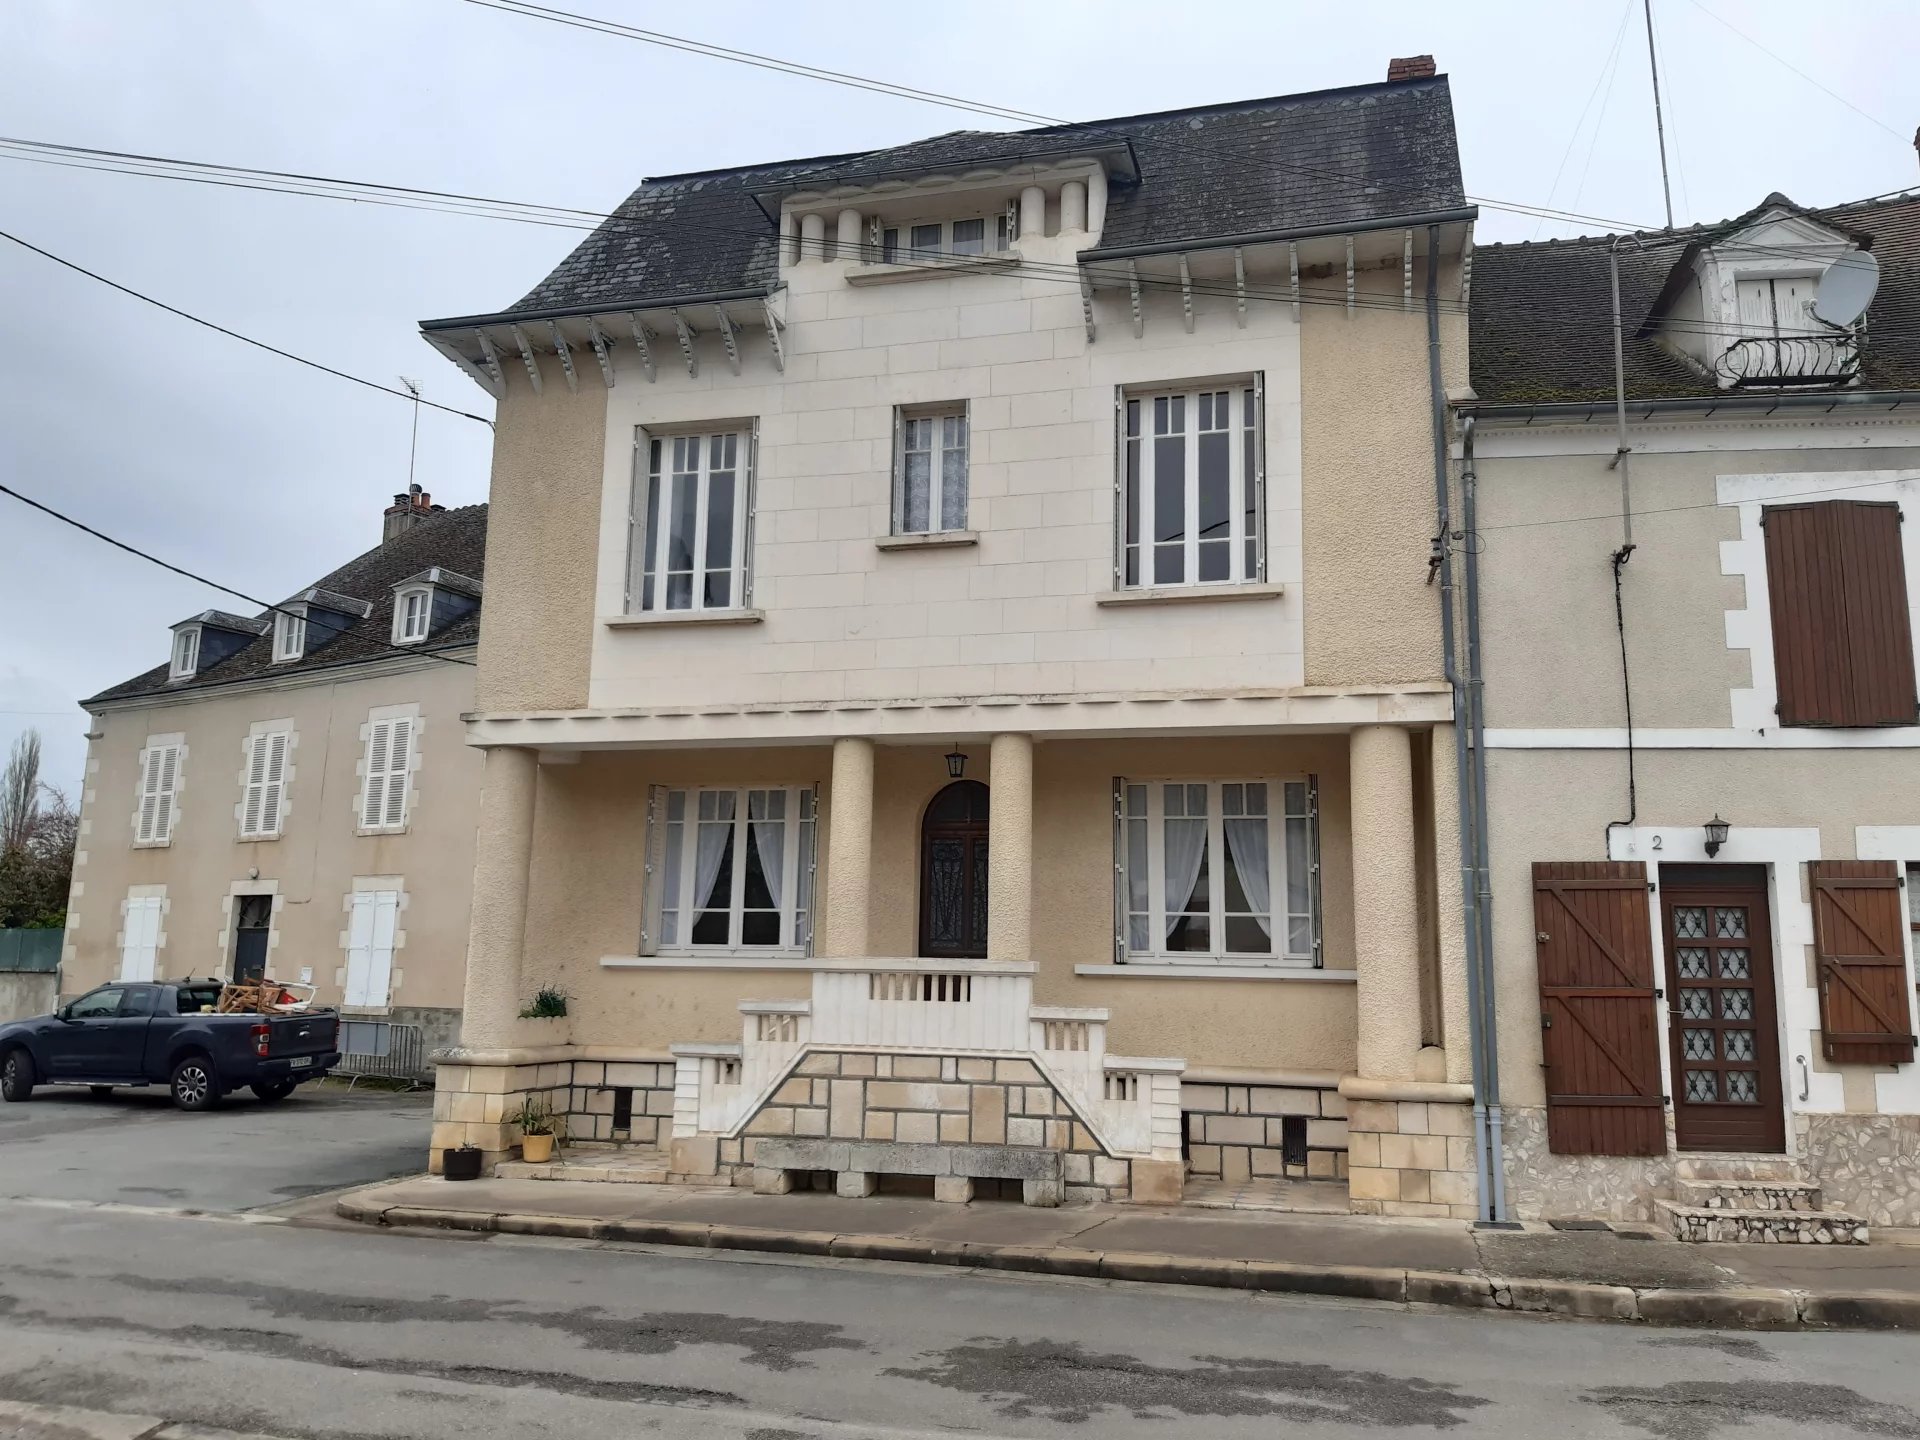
(1753, 1200)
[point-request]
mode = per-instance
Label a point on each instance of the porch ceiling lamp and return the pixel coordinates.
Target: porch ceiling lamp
(1716, 834)
(956, 762)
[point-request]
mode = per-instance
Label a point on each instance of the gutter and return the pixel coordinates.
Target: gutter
(1703, 405)
(1429, 219)
(566, 312)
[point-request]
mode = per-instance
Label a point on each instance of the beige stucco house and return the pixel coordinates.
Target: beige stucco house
(961, 691)
(1701, 925)
(291, 794)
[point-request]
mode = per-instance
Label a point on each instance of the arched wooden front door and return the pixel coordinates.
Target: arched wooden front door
(953, 873)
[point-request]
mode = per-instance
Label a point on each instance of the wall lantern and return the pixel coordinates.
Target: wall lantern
(956, 762)
(1716, 834)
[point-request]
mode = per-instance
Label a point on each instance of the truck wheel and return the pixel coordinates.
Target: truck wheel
(16, 1076)
(277, 1091)
(194, 1087)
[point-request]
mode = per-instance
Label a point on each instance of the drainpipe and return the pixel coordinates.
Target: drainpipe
(1488, 1010)
(1463, 779)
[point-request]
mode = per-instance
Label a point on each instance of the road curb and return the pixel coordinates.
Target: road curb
(1735, 1308)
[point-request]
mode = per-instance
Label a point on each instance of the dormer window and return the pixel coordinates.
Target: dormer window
(289, 635)
(412, 615)
(186, 653)
(903, 244)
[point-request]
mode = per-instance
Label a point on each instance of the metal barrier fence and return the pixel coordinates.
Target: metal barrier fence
(380, 1049)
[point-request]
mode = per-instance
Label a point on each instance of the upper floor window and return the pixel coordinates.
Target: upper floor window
(412, 615)
(289, 635)
(1218, 870)
(388, 769)
(689, 543)
(930, 472)
(1842, 630)
(186, 653)
(263, 793)
(1192, 487)
(730, 868)
(159, 791)
(904, 244)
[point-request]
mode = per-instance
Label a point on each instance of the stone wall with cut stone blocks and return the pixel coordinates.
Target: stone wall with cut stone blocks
(476, 1104)
(1409, 1157)
(1236, 1132)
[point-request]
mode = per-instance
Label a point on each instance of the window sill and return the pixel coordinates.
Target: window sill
(257, 839)
(376, 831)
(713, 960)
(1153, 970)
(1188, 594)
(152, 844)
(684, 617)
(931, 540)
(932, 268)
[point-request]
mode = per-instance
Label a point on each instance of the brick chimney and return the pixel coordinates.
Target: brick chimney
(407, 510)
(1410, 67)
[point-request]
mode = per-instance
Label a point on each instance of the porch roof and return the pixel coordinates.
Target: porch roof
(1297, 710)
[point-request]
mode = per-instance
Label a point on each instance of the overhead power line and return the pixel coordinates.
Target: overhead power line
(153, 559)
(235, 334)
(1782, 60)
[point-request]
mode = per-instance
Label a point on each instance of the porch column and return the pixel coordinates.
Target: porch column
(1010, 850)
(1386, 912)
(503, 850)
(849, 849)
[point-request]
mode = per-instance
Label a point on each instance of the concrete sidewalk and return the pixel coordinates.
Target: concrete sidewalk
(1630, 1273)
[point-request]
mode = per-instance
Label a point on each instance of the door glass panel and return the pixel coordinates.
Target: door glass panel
(946, 893)
(1701, 1087)
(1737, 1044)
(1696, 1044)
(1693, 963)
(1730, 922)
(1735, 964)
(1690, 922)
(1736, 1004)
(977, 939)
(1696, 1004)
(1743, 1087)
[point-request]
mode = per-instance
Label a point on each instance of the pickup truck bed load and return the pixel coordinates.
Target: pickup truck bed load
(167, 1034)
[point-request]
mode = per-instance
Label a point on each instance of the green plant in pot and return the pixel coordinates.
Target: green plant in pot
(549, 1003)
(537, 1126)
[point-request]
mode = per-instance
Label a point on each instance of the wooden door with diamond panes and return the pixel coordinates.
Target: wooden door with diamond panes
(1720, 1008)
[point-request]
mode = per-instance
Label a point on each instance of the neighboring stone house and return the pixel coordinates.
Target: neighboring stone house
(1702, 913)
(962, 692)
(291, 793)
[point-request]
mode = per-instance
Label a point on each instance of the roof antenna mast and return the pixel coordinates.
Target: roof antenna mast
(1659, 121)
(413, 443)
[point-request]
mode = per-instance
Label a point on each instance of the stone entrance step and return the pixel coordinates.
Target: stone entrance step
(636, 1167)
(1705, 1224)
(1798, 1196)
(1710, 1168)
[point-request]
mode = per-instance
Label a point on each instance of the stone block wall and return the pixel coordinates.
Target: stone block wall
(929, 1100)
(1408, 1157)
(1238, 1132)
(475, 1104)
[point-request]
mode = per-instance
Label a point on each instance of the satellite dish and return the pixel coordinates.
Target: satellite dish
(1847, 288)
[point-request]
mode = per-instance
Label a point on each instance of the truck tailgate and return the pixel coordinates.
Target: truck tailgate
(305, 1033)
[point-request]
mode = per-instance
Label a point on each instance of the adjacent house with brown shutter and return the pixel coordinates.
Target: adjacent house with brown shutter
(1702, 741)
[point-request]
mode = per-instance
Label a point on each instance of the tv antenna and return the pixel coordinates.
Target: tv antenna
(1659, 121)
(413, 443)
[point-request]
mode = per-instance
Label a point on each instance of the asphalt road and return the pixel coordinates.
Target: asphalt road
(277, 1323)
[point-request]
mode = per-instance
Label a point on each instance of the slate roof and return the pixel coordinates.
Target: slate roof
(1362, 154)
(452, 539)
(1540, 315)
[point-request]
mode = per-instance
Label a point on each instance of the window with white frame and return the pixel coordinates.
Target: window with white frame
(732, 868)
(186, 653)
(263, 794)
(159, 788)
(289, 635)
(373, 923)
(388, 766)
(970, 236)
(140, 937)
(690, 540)
(930, 472)
(1193, 486)
(1221, 870)
(412, 615)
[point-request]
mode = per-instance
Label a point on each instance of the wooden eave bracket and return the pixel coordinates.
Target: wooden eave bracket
(643, 342)
(1186, 294)
(728, 338)
(1240, 287)
(1349, 275)
(1133, 287)
(686, 333)
(602, 344)
(1466, 267)
(490, 357)
(1086, 303)
(773, 335)
(1406, 270)
(1293, 277)
(565, 352)
(491, 383)
(526, 356)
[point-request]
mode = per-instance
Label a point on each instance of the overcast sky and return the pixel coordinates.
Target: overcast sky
(265, 476)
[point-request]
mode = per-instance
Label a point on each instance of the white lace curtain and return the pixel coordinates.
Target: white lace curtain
(1186, 848)
(1247, 841)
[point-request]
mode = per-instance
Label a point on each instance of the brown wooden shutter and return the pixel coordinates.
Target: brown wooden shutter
(1859, 945)
(1842, 636)
(1599, 1034)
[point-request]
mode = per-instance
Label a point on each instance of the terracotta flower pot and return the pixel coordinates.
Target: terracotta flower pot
(537, 1148)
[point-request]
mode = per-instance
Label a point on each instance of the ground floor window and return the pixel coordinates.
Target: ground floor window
(731, 868)
(1217, 870)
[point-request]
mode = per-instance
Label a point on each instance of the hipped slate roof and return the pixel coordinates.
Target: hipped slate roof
(1541, 320)
(1364, 154)
(452, 539)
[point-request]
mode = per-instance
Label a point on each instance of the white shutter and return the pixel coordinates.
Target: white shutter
(359, 946)
(653, 874)
(140, 939)
(806, 896)
(1754, 299)
(169, 781)
(373, 797)
(1119, 871)
(149, 795)
(256, 784)
(386, 920)
(274, 782)
(399, 760)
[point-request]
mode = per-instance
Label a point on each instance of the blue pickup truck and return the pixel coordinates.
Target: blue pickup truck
(127, 1034)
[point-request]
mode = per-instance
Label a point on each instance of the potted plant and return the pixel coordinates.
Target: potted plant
(461, 1163)
(536, 1129)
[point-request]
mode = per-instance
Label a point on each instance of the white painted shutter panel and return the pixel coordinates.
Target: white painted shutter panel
(149, 795)
(373, 798)
(808, 874)
(654, 873)
(251, 795)
(1120, 915)
(386, 922)
(359, 947)
(163, 797)
(140, 939)
(1754, 299)
(399, 760)
(274, 781)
